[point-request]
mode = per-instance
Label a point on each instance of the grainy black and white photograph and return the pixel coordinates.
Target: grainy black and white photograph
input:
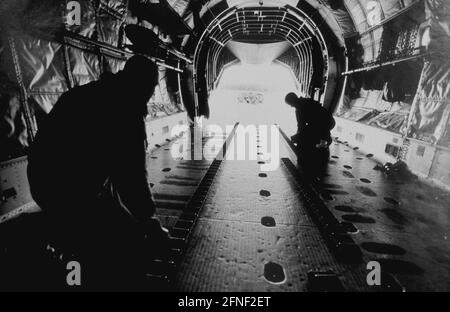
(236, 148)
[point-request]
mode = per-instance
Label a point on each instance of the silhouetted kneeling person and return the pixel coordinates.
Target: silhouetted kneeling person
(87, 171)
(313, 137)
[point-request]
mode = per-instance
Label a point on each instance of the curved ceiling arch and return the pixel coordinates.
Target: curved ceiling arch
(338, 21)
(256, 24)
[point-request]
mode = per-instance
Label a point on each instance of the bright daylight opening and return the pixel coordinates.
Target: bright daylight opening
(253, 94)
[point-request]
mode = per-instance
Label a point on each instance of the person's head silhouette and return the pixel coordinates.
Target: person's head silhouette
(291, 99)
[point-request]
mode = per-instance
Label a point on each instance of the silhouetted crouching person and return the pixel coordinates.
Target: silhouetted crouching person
(313, 136)
(87, 171)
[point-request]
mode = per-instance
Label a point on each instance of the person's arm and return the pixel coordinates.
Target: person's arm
(130, 170)
(300, 126)
(301, 121)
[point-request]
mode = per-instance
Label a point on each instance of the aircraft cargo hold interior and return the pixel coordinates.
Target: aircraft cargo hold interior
(225, 145)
